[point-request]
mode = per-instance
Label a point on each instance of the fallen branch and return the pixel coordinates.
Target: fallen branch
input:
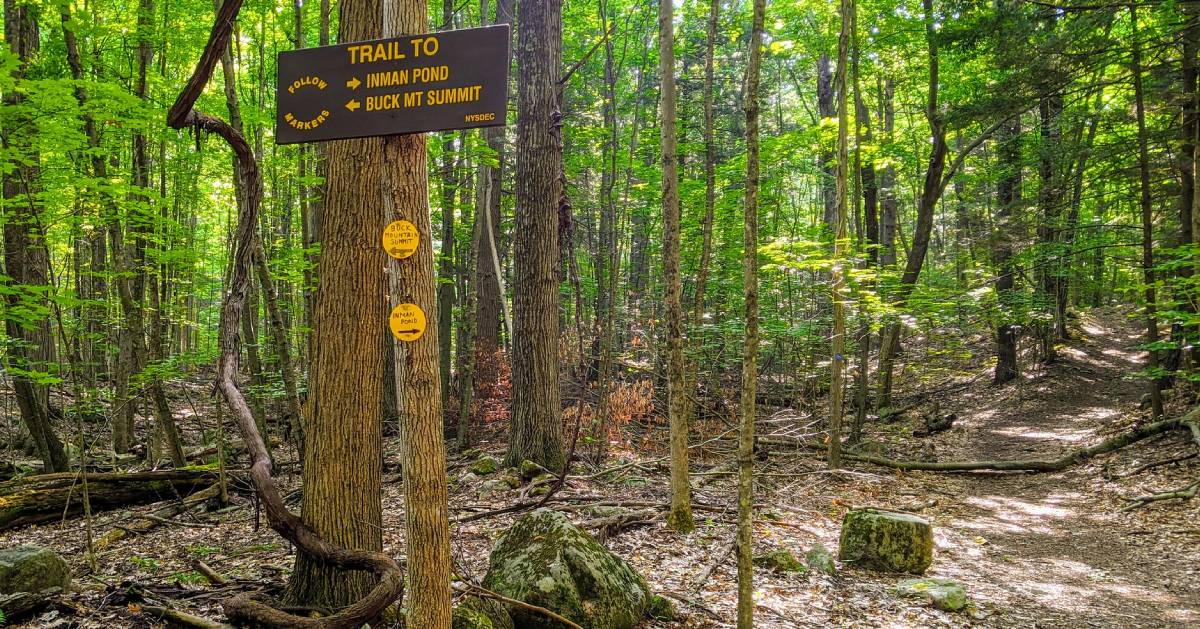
(213, 576)
(243, 608)
(176, 617)
(21, 603)
(713, 566)
(153, 519)
(1187, 492)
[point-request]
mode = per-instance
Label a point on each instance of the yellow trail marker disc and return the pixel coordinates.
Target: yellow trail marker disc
(407, 322)
(400, 239)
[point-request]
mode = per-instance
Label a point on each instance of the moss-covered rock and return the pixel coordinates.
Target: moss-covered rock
(943, 594)
(779, 560)
(511, 480)
(662, 608)
(530, 470)
(493, 487)
(886, 541)
(480, 613)
(544, 560)
(820, 559)
(484, 465)
(32, 569)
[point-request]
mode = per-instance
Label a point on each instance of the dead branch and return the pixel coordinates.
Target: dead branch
(213, 576)
(20, 603)
(1187, 492)
(183, 619)
(287, 524)
(146, 523)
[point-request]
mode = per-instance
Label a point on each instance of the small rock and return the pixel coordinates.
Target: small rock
(662, 608)
(944, 594)
(529, 469)
(484, 465)
(820, 559)
(886, 540)
(492, 487)
(32, 569)
(780, 561)
(511, 480)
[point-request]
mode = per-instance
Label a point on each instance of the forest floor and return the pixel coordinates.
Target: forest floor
(1032, 550)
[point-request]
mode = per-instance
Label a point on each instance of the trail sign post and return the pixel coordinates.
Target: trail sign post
(433, 82)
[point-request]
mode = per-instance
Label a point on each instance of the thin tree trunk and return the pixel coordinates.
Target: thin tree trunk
(412, 281)
(1148, 274)
(745, 455)
(680, 517)
(931, 191)
(837, 275)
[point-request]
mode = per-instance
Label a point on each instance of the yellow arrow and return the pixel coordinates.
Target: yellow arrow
(353, 104)
(353, 83)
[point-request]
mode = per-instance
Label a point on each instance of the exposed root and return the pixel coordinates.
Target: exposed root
(1183, 493)
(1187, 492)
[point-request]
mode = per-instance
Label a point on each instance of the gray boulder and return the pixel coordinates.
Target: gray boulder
(544, 560)
(820, 559)
(886, 540)
(32, 569)
(943, 594)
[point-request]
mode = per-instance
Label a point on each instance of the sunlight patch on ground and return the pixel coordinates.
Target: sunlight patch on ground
(1044, 435)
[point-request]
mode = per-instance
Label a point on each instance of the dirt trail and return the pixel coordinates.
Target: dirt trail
(1053, 550)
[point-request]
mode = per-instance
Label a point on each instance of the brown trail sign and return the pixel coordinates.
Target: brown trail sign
(433, 82)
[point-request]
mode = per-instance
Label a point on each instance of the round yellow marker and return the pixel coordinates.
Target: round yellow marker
(400, 239)
(407, 322)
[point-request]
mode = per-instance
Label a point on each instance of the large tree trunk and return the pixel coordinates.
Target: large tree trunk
(745, 451)
(536, 408)
(344, 439)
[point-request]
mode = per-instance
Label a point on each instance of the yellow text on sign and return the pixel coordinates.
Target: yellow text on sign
(407, 322)
(400, 239)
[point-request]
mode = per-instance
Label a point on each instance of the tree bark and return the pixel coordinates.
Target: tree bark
(536, 407)
(1148, 274)
(837, 274)
(412, 281)
(1008, 197)
(344, 439)
(680, 517)
(745, 452)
